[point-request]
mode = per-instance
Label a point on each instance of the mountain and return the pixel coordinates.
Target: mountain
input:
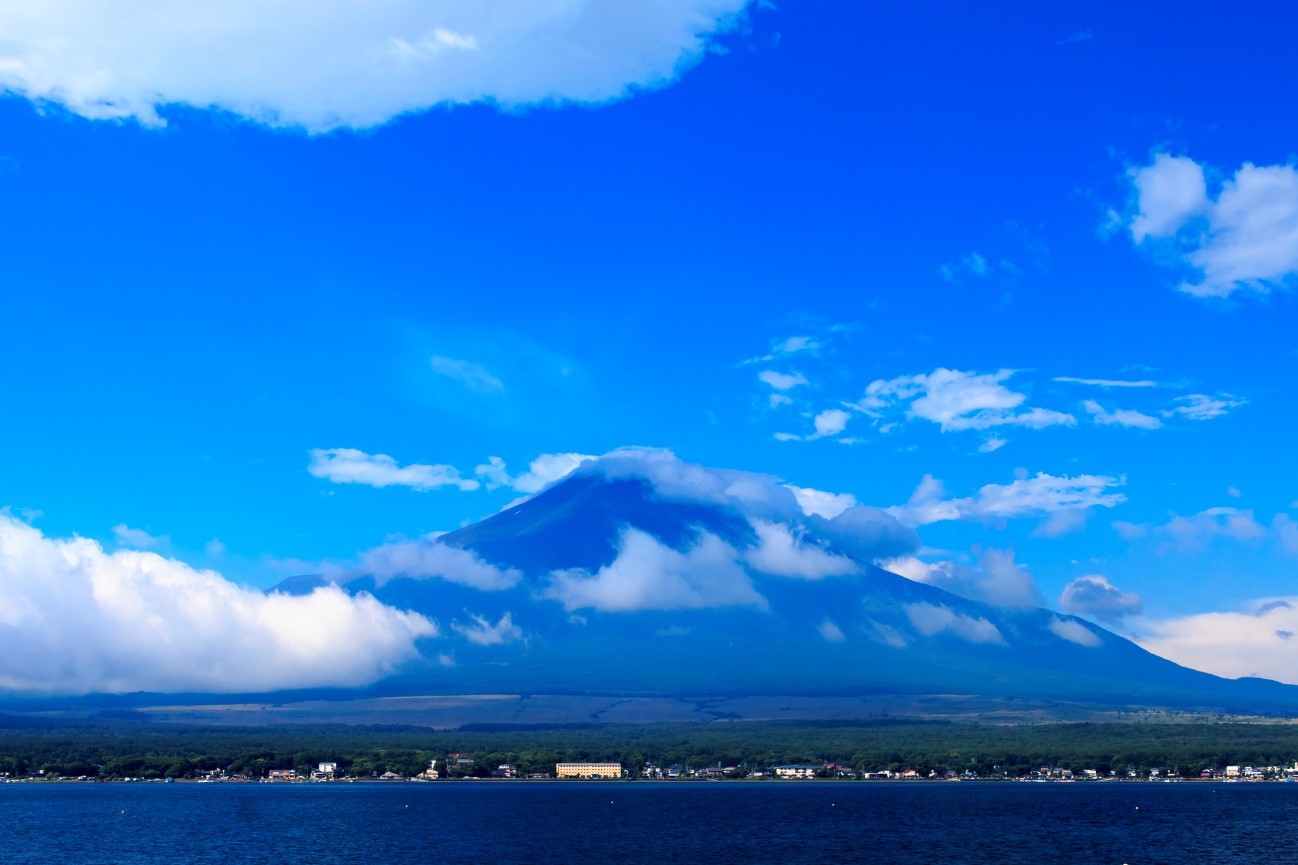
(642, 575)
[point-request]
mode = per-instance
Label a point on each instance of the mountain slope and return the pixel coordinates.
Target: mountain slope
(639, 574)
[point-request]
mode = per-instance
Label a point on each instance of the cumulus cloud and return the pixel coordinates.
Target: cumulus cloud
(1168, 193)
(781, 380)
(429, 559)
(995, 579)
(348, 63)
(958, 400)
(1257, 641)
(1243, 238)
(481, 632)
(830, 422)
(541, 472)
(1028, 496)
(1200, 406)
(821, 503)
(933, 619)
(1120, 417)
(76, 619)
(352, 466)
(1094, 597)
(676, 480)
(647, 575)
(782, 553)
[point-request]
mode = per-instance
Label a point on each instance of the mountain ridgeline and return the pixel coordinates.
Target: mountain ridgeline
(621, 579)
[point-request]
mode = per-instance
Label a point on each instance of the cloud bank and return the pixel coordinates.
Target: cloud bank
(76, 619)
(348, 63)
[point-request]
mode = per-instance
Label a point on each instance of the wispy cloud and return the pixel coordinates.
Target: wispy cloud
(472, 375)
(1120, 417)
(352, 466)
(1039, 495)
(957, 400)
(1200, 406)
(139, 539)
(1106, 382)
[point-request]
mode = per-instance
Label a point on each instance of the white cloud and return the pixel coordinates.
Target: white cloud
(1120, 417)
(548, 468)
(646, 575)
(830, 632)
(973, 264)
(1094, 597)
(781, 380)
(352, 466)
(541, 472)
(474, 376)
(932, 619)
(781, 553)
(996, 579)
(214, 548)
(992, 444)
(1200, 406)
(821, 503)
(76, 619)
(958, 400)
(481, 632)
(831, 422)
(1186, 534)
(139, 539)
(1244, 238)
(1061, 523)
(348, 63)
(1074, 632)
(1029, 496)
(1105, 382)
(787, 437)
(1168, 193)
(429, 559)
(788, 346)
(1259, 641)
(1286, 533)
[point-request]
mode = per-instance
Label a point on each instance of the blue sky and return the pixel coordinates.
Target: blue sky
(1043, 256)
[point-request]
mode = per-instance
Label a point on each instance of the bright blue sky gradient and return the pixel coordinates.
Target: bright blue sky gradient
(188, 311)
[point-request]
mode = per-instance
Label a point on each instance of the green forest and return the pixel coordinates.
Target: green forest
(119, 749)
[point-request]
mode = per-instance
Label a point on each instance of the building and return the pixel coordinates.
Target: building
(798, 770)
(281, 775)
(588, 770)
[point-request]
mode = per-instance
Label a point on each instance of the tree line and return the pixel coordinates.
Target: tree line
(149, 750)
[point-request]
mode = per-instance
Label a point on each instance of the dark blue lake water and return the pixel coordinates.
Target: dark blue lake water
(642, 822)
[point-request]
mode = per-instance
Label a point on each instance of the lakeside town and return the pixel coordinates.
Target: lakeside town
(465, 767)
